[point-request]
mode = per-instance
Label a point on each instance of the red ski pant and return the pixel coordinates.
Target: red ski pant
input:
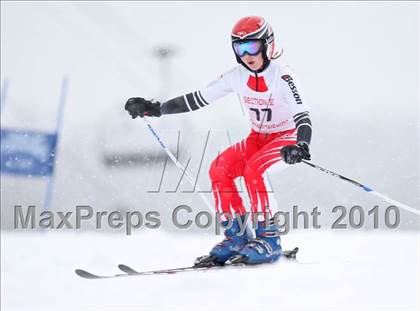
(249, 158)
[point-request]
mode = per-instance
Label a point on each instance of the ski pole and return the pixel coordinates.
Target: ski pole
(365, 188)
(178, 164)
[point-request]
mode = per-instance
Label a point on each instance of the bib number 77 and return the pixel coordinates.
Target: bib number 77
(266, 113)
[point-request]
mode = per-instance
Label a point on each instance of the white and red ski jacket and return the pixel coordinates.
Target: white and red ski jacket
(273, 99)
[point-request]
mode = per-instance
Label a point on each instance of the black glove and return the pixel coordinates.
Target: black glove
(292, 154)
(138, 106)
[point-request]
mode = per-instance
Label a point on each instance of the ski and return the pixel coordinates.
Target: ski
(128, 271)
(131, 272)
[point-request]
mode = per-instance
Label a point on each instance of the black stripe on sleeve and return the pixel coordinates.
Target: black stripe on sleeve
(202, 98)
(304, 117)
(191, 101)
(304, 126)
(198, 100)
(303, 121)
(300, 115)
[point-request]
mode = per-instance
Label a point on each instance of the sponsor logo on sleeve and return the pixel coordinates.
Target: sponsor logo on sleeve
(293, 88)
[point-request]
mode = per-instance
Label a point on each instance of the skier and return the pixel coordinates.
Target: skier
(281, 131)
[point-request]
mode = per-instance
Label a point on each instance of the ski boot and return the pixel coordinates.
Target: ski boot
(227, 248)
(265, 248)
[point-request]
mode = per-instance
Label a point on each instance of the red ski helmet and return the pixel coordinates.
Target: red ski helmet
(254, 28)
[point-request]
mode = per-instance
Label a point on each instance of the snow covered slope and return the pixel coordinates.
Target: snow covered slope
(337, 271)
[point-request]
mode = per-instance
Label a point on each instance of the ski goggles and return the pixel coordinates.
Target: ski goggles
(252, 47)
